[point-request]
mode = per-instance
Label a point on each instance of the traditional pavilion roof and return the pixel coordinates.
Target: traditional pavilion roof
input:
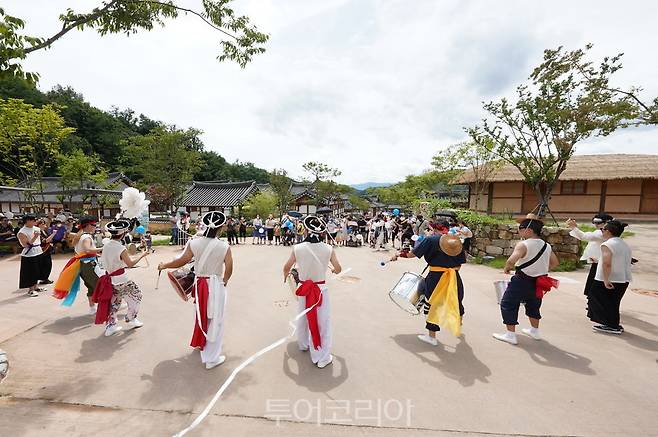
(219, 194)
(52, 189)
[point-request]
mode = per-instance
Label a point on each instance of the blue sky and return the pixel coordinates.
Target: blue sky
(375, 88)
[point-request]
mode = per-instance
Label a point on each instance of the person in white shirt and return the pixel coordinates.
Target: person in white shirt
(29, 237)
(115, 286)
(592, 252)
(531, 260)
(312, 258)
(613, 274)
(213, 267)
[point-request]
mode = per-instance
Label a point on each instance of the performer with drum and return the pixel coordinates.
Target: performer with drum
(312, 258)
(444, 289)
(115, 285)
(213, 267)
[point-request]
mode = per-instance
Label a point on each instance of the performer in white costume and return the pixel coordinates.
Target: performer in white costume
(213, 266)
(312, 258)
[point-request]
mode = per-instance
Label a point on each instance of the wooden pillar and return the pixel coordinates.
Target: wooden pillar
(490, 197)
(604, 190)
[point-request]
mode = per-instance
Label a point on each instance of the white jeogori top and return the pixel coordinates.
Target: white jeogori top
(111, 261)
(540, 267)
(78, 245)
(214, 264)
(35, 250)
(620, 271)
(594, 240)
(312, 260)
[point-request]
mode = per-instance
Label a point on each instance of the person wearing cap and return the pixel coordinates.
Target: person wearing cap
(592, 252)
(312, 257)
(81, 266)
(443, 297)
(29, 237)
(115, 285)
(213, 267)
(613, 274)
(531, 260)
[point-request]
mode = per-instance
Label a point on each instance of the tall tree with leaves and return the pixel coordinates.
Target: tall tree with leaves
(241, 40)
(30, 139)
(597, 77)
(323, 181)
(77, 170)
(539, 132)
(166, 160)
(280, 183)
(477, 160)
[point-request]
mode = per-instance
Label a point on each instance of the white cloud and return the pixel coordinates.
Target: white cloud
(374, 88)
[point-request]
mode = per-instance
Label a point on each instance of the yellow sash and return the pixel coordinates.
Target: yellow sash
(444, 302)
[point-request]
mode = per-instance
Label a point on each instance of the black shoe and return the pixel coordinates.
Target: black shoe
(47, 281)
(607, 329)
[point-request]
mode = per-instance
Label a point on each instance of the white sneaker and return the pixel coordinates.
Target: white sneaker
(429, 340)
(134, 323)
(325, 363)
(92, 310)
(508, 337)
(112, 329)
(303, 349)
(532, 332)
(221, 359)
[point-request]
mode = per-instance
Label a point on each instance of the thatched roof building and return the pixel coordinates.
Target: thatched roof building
(623, 185)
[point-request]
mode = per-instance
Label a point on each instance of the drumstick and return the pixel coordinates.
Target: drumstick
(157, 283)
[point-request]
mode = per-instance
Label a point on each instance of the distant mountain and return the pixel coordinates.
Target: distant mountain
(366, 185)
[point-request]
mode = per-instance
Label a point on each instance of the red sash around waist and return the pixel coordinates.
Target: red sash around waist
(103, 295)
(313, 295)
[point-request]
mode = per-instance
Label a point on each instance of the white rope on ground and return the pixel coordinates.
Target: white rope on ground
(245, 363)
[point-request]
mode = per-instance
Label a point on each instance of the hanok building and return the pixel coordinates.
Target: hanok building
(100, 200)
(622, 185)
(228, 197)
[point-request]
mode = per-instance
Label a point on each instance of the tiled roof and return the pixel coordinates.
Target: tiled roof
(218, 194)
(52, 188)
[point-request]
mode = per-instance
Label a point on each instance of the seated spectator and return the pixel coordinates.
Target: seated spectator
(7, 231)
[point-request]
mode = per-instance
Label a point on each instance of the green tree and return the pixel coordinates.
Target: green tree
(261, 204)
(320, 171)
(78, 169)
(280, 184)
(165, 159)
(538, 133)
(359, 203)
(30, 139)
(597, 79)
(242, 40)
(477, 160)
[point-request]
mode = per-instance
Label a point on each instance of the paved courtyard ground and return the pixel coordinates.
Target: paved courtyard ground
(67, 379)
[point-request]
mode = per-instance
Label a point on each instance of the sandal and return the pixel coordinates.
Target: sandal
(33, 293)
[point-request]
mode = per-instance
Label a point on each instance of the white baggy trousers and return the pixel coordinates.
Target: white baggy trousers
(324, 322)
(216, 307)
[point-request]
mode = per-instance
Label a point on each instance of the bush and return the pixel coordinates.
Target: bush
(474, 219)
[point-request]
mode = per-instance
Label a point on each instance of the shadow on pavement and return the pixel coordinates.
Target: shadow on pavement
(72, 391)
(184, 383)
(102, 348)
(308, 374)
(69, 325)
(461, 364)
(17, 299)
(546, 354)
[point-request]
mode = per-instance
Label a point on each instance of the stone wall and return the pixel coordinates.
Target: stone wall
(499, 240)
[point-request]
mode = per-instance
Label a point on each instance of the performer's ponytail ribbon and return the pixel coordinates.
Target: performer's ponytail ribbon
(444, 302)
(68, 282)
(103, 295)
(313, 294)
(544, 284)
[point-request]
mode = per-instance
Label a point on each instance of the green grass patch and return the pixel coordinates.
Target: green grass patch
(161, 242)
